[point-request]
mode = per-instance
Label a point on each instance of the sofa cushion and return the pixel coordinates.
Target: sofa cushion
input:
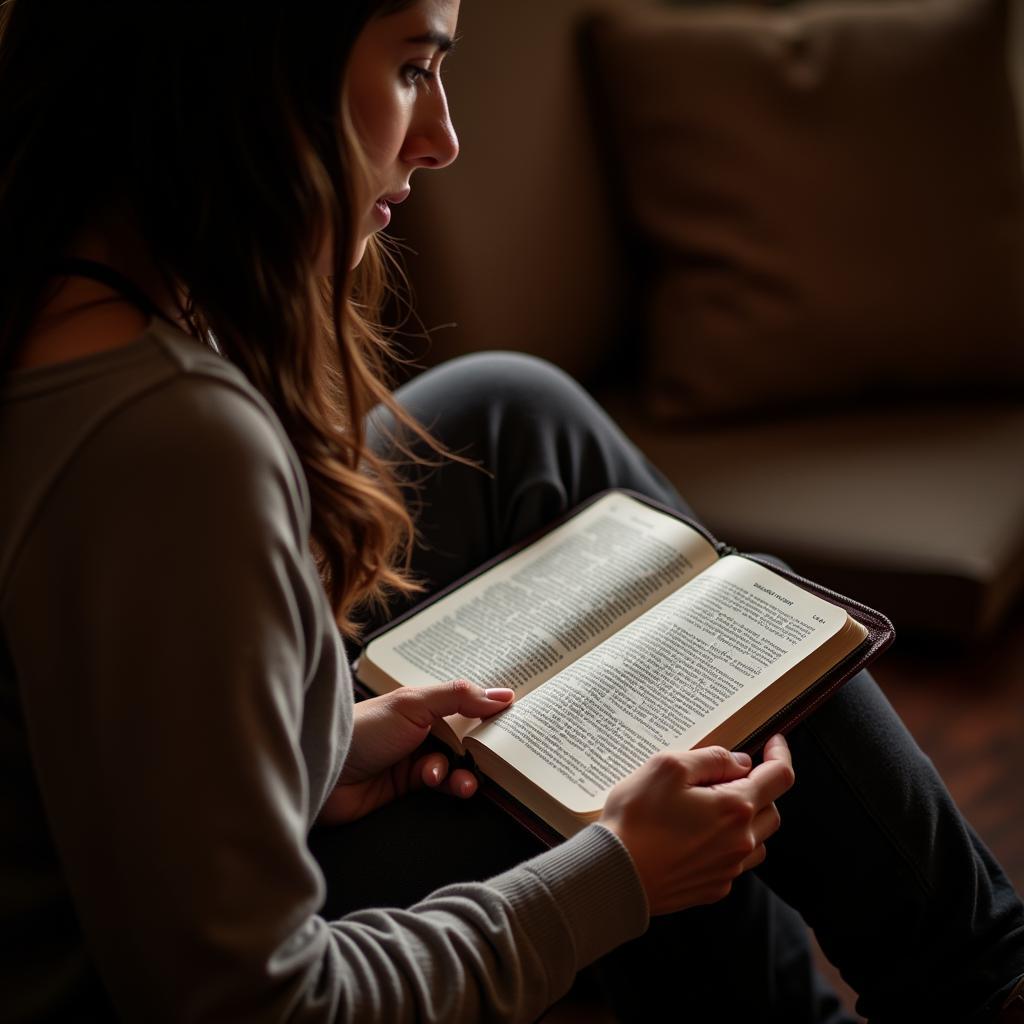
(830, 196)
(917, 511)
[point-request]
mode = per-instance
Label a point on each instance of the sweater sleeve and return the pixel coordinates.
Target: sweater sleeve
(166, 629)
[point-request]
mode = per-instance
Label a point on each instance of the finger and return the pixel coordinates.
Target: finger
(766, 823)
(766, 783)
(777, 749)
(423, 705)
(431, 770)
(462, 783)
(498, 698)
(709, 765)
(755, 858)
(774, 776)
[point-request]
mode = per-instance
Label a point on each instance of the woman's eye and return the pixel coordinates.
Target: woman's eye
(414, 74)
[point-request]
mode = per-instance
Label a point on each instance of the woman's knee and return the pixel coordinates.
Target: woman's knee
(529, 422)
(460, 398)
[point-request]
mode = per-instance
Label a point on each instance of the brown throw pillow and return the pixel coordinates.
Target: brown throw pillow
(831, 197)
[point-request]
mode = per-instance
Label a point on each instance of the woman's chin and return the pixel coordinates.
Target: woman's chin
(358, 253)
(325, 259)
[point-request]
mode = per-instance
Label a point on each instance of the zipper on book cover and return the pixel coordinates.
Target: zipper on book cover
(840, 599)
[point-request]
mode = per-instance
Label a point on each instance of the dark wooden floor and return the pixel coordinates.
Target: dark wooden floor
(966, 710)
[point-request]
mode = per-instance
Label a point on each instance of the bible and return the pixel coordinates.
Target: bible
(624, 629)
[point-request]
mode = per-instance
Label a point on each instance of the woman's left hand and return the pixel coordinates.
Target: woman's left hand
(388, 730)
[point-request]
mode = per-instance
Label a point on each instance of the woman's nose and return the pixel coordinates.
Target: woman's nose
(431, 141)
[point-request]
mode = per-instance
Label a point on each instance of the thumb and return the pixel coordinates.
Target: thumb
(425, 704)
(709, 765)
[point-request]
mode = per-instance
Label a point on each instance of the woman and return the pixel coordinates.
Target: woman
(194, 500)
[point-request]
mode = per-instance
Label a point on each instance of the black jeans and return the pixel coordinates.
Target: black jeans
(872, 853)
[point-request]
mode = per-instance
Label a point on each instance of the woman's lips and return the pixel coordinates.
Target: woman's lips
(382, 212)
(382, 208)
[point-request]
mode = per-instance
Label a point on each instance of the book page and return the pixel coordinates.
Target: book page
(519, 622)
(666, 680)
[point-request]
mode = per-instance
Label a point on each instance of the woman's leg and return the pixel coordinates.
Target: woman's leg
(543, 446)
(547, 447)
(539, 446)
(901, 893)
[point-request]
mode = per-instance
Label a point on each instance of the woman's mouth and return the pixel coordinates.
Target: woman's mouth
(382, 208)
(382, 212)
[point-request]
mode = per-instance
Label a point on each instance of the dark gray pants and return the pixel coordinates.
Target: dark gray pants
(872, 852)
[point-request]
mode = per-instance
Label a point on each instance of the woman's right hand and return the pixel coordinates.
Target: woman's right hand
(694, 821)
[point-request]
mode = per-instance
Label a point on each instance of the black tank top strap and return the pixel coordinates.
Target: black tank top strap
(74, 266)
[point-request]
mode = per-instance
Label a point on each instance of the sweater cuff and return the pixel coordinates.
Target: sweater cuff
(595, 887)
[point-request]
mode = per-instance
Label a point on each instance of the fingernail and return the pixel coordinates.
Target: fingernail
(499, 693)
(466, 787)
(435, 774)
(743, 760)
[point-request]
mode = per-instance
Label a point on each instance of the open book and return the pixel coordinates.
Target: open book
(624, 630)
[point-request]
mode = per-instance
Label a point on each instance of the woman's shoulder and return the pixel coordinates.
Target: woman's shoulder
(89, 388)
(163, 391)
(164, 415)
(215, 410)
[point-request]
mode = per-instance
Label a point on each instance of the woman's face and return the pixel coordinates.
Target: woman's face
(398, 105)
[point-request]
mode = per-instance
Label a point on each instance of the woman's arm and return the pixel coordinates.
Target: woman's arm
(180, 678)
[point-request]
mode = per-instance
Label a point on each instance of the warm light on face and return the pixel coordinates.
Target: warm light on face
(397, 104)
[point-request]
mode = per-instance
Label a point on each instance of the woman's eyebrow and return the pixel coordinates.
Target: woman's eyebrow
(440, 40)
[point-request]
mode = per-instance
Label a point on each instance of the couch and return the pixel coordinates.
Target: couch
(544, 237)
(762, 296)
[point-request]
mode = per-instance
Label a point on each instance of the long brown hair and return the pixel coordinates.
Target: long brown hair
(220, 128)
